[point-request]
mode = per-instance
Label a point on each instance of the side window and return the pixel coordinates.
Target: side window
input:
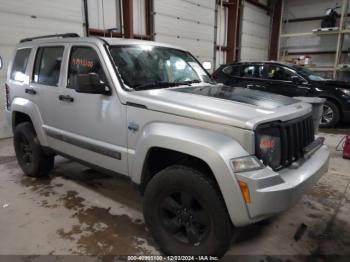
(251, 71)
(20, 64)
(84, 60)
(288, 74)
(48, 65)
(276, 72)
(231, 70)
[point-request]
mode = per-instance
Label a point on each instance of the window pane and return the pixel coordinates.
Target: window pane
(231, 70)
(275, 72)
(250, 71)
(48, 65)
(84, 60)
(140, 64)
(20, 64)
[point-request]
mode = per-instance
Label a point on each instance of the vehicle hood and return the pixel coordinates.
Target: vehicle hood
(334, 83)
(222, 104)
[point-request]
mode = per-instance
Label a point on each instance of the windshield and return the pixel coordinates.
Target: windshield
(146, 67)
(310, 75)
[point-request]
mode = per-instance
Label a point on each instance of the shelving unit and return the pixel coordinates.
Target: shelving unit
(340, 31)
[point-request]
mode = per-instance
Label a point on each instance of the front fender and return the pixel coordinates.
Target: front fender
(215, 149)
(27, 107)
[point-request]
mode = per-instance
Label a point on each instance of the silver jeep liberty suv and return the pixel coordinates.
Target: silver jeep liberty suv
(208, 158)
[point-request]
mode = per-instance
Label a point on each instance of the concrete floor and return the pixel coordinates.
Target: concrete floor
(80, 211)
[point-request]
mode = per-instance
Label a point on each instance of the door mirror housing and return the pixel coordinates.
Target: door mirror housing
(89, 84)
(1, 63)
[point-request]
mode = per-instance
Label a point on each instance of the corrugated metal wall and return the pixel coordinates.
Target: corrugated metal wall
(188, 24)
(26, 18)
(255, 34)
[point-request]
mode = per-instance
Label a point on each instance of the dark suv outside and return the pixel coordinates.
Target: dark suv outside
(290, 80)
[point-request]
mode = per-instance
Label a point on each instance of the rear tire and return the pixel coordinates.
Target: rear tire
(186, 214)
(30, 155)
(330, 115)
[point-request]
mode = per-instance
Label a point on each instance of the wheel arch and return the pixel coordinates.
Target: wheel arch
(23, 110)
(211, 151)
(335, 101)
(168, 157)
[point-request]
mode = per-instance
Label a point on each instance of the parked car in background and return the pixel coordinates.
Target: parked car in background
(290, 80)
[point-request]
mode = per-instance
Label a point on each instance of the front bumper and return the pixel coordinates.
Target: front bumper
(273, 192)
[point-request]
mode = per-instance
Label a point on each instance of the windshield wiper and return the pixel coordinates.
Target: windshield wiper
(160, 84)
(189, 82)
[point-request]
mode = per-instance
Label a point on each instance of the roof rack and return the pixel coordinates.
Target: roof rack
(49, 36)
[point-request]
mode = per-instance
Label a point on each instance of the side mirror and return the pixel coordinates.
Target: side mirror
(0, 62)
(89, 84)
(297, 80)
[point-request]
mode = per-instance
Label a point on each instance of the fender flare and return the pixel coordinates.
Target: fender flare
(29, 108)
(213, 148)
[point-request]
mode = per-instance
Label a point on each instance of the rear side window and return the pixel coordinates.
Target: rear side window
(48, 65)
(231, 70)
(251, 71)
(20, 64)
(84, 60)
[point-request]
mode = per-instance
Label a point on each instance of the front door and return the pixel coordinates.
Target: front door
(90, 127)
(250, 77)
(279, 80)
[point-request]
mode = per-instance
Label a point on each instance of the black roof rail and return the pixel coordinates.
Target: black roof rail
(49, 36)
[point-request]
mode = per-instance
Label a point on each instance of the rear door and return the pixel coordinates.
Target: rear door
(250, 77)
(46, 80)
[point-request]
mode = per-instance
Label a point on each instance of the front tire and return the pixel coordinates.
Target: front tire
(186, 214)
(29, 153)
(330, 115)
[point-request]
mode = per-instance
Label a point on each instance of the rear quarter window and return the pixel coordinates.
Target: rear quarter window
(20, 64)
(231, 70)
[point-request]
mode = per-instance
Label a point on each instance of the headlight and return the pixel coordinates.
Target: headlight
(244, 164)
(345, 91)
(268, 147)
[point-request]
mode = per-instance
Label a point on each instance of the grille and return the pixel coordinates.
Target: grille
(295, 135)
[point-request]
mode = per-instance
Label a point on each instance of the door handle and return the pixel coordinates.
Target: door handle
(30, 91)
(66, 98)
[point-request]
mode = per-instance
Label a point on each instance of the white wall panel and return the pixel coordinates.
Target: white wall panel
(221, 39)
(104, 14)
(188, 24)
(255, 36)
(27, 18)
(139, 17)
